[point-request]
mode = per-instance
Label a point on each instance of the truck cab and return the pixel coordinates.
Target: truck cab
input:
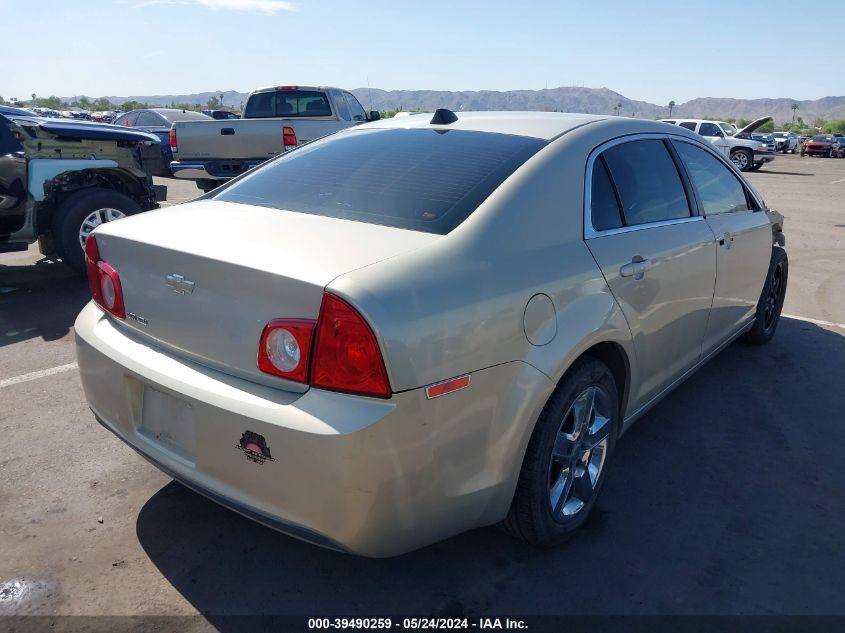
(275, 120)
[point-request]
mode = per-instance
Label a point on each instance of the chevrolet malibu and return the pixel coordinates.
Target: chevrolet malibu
(417, 327)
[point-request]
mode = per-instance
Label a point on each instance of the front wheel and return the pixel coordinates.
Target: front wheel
(771, 300)
(743, 159)
(81, 213)
(567, 457)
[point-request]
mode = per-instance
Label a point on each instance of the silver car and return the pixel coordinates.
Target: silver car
(420, 326)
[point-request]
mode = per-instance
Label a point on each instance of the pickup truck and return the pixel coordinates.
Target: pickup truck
(274, 121)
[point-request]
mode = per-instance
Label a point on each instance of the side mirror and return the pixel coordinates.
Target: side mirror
(375, 115)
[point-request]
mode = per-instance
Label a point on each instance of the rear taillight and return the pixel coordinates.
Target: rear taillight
(338, 352)
(173, 147)
(285, 348)
(289, 137)
(103, 280)
(126, 122)
(346, 354)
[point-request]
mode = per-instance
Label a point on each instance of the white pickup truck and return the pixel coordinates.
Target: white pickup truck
(275, 120)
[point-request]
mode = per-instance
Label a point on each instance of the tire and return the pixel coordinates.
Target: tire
(771, 300)
(79, 214)
(742, 159)
(795, 149)
(556, 439)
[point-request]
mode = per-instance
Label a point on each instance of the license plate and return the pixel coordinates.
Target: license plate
(169, 423)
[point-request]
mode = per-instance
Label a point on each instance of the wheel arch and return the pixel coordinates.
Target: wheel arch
(72, 183)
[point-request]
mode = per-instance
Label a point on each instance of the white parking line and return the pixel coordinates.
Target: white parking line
(35, 375)
(841, 326)
(833, 182)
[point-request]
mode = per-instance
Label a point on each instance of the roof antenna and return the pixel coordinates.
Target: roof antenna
(443, 116)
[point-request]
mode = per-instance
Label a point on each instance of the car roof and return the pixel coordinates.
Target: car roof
(542, 125)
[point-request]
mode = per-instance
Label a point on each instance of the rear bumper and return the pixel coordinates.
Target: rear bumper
(221, 170)
(367, 476)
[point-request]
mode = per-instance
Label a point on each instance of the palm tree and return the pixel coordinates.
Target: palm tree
(671, 107)
(794, 110)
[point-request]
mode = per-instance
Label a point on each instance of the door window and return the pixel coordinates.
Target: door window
(718, 189)
(355, 108)
(647, 181)
(710, 129)
(340, 104)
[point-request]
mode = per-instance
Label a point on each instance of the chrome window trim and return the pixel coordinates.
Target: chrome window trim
(589, 231)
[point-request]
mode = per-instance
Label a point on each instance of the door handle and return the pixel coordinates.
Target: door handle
(227, 131)
(636, 269)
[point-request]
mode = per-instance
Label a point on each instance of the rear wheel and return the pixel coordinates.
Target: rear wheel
(743, 159)
(771, 300)
(567, 457)
(81, 213)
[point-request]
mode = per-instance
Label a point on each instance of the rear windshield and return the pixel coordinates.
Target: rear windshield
(424, 180)
(287, 103)
(187, 115)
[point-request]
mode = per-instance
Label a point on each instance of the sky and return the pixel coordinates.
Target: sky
(650, 51)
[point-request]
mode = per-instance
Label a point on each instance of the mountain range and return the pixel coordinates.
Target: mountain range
(564, 99)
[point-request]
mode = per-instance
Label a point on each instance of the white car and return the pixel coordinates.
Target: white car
(746, 153)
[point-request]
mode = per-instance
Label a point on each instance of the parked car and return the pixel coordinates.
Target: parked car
(786, 142)
(768, 141)
(275, 120)
(60, 179)
(746, 153)
(9, 110)
(841, 141)
(221, 115)
(159, 121)
(421, 326)
(822, 145)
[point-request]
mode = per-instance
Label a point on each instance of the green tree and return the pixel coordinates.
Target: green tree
(103, 104)
(52, 102)
(126, 106)
(794, 111)
(214, 103)
(671, 107)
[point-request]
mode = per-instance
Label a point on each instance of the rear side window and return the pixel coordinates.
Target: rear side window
(287, 103)
(419, 179)
(647, 181)
(604, 206)
(718, 189)
(688, 125)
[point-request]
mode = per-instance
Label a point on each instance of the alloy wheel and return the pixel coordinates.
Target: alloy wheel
(740, 159)
(95, 219)
(773, 297)
(579, 454)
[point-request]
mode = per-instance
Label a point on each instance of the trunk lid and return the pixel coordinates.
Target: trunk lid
(203, 279)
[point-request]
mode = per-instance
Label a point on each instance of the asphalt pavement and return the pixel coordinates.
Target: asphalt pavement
(727, 498)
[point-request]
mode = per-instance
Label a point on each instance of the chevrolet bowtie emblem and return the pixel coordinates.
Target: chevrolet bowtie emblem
(180, 285)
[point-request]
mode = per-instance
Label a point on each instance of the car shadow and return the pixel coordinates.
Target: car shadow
(39, 300)
(724, 499)
(782, 173)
